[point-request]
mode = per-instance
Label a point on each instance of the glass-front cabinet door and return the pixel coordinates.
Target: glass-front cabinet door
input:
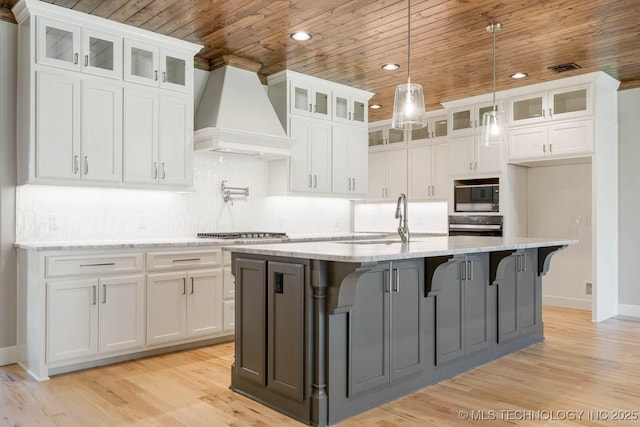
(571, 102)
(58, 43)
(461, 120)
(175, 72)
(310, 100)
(141, 62)
(439, 128)
(385, 135)
(102, 53)
(349, 109)
(528, 109)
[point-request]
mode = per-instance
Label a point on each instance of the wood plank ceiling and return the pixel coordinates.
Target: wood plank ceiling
(451, 50)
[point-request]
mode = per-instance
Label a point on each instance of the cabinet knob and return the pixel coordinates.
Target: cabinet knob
(155, 75)
(155, 170)
(75, 58)
(164, 171)
(86, 60)
(86, 165)
(76, 165)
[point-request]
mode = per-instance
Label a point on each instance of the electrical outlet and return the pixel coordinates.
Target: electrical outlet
(588, 288)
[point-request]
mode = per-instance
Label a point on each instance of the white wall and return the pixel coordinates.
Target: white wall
(8, 35)
(50, 213)
(629, 201)
(559, 206)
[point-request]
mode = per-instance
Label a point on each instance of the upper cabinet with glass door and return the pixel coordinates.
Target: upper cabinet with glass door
(382, 135)
(312, 100)
(349, 108)
(150, 65)
(435, 130)
(559, 104)
(468, 120)
(66, 45)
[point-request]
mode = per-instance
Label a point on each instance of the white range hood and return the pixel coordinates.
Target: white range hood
(235, 116)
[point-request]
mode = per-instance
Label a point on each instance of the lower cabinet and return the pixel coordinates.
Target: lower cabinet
(462, 320)
(92, 316)
(271, 338)
(518, 296)
(182, 305)
(228, 296)
(385, 325)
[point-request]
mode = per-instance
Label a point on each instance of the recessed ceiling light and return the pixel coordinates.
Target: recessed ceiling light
(301, 36)
(390, 67)
(518, 75)
(375, 106)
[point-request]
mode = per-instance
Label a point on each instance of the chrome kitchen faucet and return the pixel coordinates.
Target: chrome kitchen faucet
(403, 223)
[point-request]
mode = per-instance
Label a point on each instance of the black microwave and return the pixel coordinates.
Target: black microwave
(477, 197)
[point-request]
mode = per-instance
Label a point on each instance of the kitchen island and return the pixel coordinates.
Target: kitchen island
(327, 330)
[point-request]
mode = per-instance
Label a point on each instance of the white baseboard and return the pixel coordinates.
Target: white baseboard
(567, 302)
(629, 310)
(8, 355)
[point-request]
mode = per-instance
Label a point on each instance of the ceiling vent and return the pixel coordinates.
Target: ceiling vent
(564, 67)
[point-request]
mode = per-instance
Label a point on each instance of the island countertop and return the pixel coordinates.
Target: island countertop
(357, 251)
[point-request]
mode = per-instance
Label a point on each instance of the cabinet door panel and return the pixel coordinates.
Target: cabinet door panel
(529, 298)
(300, 178)
(396, 173)
(420, 163)
(358, 160)
(528, 143)
(140, 136)
(462, 155)
(229, 317)
(72, 319)
(121, 313)
(58, 43)
(407, 319)
(369, 333)
(477, 328)
(450, 315)
(101, 131)
(251, 342)
(166, 307)
(489, 158)
(141, 62)
(440, 174)
(204, 303)
(57, 126)
(175, 140)
(508, 301)
(572, 138)
(285, 308)
(321, 157)
(102, 53)
(341, 183)
(377, 175)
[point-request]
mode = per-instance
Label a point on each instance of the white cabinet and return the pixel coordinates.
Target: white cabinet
(350, 108)
(158, 133)
(309, 99)
(349, 160)
(428, 171)
(310, 162)
(435, 130)
(78, 128)
(557, 104)
(94, 316)
(228, 296)
(67, 45)
(382, 136)
(387, 174)
(186, 302)
(151, 65)
(554, 141)
(467, 120)
(468, 157)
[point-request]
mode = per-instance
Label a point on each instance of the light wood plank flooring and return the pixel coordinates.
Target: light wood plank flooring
(581, 366)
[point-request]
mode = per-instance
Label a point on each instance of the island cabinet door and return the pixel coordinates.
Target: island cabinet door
(251, 343)
(285, 320)
(476, 322)
(529, 293)
(508, 300)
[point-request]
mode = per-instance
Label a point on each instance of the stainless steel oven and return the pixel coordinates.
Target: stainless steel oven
(477, 195)
(476, 225)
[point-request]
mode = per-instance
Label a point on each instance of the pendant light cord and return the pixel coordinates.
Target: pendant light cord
(409, 43)
(494, 68)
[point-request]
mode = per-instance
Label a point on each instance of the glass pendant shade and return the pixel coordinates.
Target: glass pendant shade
(493, 128)
(408, 107)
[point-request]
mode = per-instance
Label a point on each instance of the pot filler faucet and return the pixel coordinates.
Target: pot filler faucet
(403, 223)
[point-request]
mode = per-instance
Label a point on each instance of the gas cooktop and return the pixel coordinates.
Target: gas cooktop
(236, 235)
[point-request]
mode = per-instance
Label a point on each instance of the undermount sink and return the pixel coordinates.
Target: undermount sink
(371, 242)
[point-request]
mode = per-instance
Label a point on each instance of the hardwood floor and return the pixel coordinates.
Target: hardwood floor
(581, 366)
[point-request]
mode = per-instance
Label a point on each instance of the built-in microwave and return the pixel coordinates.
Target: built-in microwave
(477, 195)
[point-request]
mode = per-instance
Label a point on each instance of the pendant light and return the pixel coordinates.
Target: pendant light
(408, 105)
(493, 122)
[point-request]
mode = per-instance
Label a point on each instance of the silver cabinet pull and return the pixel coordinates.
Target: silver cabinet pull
(164, 77)
(155, 75)
(544, 148)
(94, 291)
(310, 181)
(86, 60)
(396, 281)
(76, 164)
(315, 181)
(98, 264)
(86, 165)
(518, 262)
(387, 283)
(349, 183)
(184, 286)
(550, 148)
(155, 170)
(475, 166)
(164, 171)
(185, 259)
(310, 110)
(75, 58)
(192, 286)
(470, 270)
(350, 116)
(523, 265)
(104, 294)
(354, 184)
(470, 166)
(550, 112)
(543, 114)
(464, 273)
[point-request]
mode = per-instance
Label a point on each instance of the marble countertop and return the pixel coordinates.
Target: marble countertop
(186, 242)
(372, 250)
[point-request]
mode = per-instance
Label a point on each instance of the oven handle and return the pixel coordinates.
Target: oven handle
(474, 227)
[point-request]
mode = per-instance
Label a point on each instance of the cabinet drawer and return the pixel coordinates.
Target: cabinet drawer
(158, 261)
(74, 265)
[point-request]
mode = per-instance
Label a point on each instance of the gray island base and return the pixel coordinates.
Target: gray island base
(326, 330)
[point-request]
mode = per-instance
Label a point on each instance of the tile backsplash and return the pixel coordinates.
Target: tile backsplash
(57, 213)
